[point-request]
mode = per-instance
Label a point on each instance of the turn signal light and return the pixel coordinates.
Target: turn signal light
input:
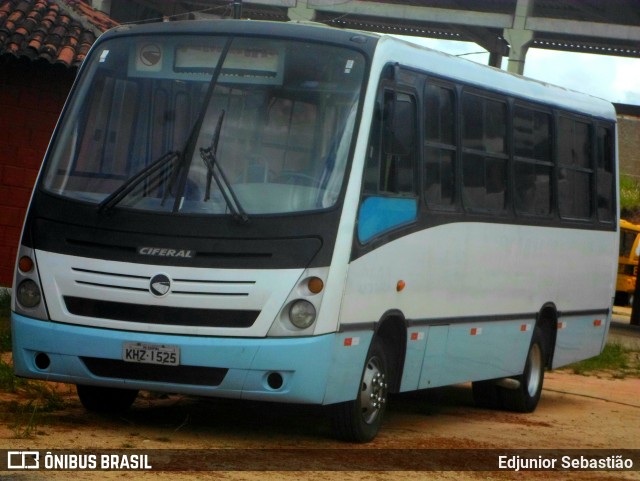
(25, 264)
(315, 285)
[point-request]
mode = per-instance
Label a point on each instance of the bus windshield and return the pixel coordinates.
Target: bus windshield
(209, 125)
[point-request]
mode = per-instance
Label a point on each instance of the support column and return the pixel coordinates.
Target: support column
(302, 12)
(519, 37)
(519, 40)
(495, 59)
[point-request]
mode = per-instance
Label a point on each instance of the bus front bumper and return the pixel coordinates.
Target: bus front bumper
(310, 370)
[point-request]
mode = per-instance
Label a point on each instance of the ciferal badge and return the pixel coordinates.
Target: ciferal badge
(160, 285)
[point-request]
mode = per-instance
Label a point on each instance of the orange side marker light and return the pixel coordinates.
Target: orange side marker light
(25, 264)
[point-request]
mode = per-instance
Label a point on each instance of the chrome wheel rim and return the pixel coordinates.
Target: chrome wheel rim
(373, 391)
(535, 370)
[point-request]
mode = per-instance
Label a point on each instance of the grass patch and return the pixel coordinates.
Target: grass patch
(35, 398)
(8, 382)
(39, 394)
(615, 359)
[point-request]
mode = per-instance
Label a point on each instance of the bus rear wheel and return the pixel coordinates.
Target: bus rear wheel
(107, 400)
(360, 420)
(525, 398)
(525, 394)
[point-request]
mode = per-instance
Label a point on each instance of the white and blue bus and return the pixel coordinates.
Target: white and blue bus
(294, 213)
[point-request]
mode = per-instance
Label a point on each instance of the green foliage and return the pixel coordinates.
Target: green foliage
(614, 358)
(8, 382)
(41, 394)
(24, 413)
(629, 194)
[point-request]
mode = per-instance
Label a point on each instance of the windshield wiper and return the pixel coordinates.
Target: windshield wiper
(125, 189)
(208, 156)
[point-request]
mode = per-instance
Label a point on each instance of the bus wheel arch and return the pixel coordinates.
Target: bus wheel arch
(392, 332)
(547, 323)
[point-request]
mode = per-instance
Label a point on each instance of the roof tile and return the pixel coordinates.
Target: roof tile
(58, 31)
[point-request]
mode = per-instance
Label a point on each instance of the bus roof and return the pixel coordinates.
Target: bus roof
(301, 30)
(392, 48)
(472, 73)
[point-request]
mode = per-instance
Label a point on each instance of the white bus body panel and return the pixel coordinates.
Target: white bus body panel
(260, 290)
(473, 291)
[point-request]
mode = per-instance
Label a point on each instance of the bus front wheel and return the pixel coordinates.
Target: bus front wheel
(360, 420)
(106, 399)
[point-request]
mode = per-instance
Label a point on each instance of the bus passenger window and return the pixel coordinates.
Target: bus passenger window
(533, 162)
(398, 135)
(605, 174)
(391, 164)
(575, 174)
(439, 145)
(484, 160)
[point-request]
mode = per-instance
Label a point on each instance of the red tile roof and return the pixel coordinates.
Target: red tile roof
(58, 31)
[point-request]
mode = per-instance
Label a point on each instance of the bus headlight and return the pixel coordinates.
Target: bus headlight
(302, 314)
(28, 294)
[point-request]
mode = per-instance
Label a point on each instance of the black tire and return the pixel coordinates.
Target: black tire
(525, 398)
(107, 400)
(360, 420)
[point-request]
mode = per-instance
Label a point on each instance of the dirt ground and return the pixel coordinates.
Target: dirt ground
(576, 412)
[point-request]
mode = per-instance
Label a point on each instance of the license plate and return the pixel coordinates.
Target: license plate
(151, 353)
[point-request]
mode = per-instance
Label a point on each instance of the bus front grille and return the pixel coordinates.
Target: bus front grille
(117, 369)
(165, 315)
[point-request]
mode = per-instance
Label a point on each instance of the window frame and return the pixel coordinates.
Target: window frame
(453, 148)
(520, 159)
(501, 156)
(589, 170)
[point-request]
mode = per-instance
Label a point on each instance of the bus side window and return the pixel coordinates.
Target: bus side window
(484, 159)
(605, 174)
(390, 165)
(398, 145)
(439, 146)
(532, 134)
(575, 174)
(389, 182)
